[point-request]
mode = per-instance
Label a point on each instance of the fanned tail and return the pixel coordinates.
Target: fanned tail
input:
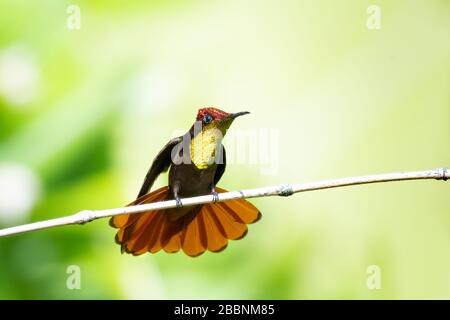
(195, 230)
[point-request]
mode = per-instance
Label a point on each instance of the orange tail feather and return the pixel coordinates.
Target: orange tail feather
(204, 227)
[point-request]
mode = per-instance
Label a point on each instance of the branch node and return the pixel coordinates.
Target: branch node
(285, 190)
(444, 174)
(85, 216)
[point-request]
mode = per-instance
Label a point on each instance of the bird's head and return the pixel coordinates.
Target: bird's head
(213, 118)
(207, 133)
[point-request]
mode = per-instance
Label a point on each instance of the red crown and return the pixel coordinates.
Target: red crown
(213, 112)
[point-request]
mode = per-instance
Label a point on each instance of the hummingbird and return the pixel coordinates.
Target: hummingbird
(196, 161)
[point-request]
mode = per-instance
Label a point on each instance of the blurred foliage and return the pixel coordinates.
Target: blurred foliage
(344, 99)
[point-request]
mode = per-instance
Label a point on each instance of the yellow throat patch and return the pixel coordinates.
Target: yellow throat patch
(204, 147)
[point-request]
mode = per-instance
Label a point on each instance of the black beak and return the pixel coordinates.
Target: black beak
(238, 114)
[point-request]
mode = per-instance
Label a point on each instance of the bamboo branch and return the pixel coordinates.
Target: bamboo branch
(85, 216)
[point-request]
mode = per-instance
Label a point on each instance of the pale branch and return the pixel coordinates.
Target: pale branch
(280, 190)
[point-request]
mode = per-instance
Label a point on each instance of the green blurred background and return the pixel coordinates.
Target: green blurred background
(83, 113)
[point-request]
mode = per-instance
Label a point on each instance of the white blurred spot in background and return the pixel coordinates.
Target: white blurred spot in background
(20, 188)
(153, 90)
(19, 77)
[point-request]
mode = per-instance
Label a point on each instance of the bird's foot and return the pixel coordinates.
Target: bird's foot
(215, 196)
(178, 202)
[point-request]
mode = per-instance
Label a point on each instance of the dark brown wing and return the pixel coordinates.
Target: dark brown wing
(220, 167)
(160, 164)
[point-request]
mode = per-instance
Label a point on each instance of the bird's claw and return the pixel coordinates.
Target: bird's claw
(178, 202)
(215, 196)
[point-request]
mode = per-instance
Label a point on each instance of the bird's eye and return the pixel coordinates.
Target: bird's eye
(207, 119)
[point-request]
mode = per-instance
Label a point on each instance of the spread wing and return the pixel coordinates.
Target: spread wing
(220, 167)
(160, 164)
